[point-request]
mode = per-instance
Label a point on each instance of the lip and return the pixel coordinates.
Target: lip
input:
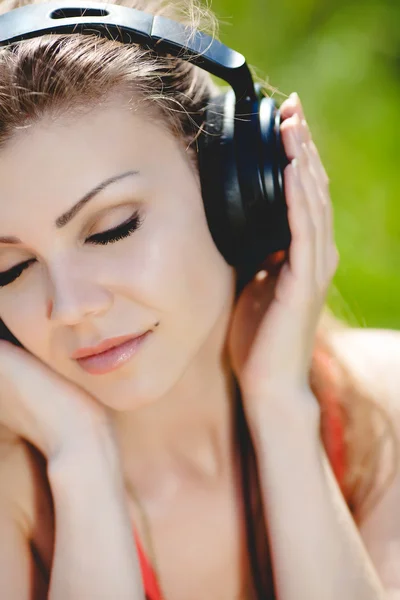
(114, 357)
(104, 345)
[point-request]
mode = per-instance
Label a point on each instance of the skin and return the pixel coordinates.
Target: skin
(168, 272)
(178, 387)
(167, 276)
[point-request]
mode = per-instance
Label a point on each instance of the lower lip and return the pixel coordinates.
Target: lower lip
(112, 359)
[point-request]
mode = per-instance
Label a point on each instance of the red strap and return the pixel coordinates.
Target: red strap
(151, 587)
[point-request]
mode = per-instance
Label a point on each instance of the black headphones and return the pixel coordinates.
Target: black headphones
(241, 163)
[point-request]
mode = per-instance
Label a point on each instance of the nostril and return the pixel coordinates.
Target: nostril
(68, 13)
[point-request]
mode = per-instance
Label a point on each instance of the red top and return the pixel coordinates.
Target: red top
(333, 434)
(150, 582)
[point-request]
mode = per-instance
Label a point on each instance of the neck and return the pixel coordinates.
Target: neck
(185, 436)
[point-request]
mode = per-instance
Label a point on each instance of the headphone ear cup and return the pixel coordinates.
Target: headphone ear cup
(246, 211)
(219, 177)
(273, 160)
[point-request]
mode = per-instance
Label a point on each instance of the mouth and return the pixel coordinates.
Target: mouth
(114, 357)
(105, 345)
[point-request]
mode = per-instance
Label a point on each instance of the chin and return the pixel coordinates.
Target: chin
(130, 394)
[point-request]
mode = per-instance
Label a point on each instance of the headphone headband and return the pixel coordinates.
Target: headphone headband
(130, 26)
(240, 155)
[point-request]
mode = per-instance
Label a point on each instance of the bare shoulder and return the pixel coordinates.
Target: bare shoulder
(373, 357)
(24, 487)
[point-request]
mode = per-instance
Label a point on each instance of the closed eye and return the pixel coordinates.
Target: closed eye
(11, 275)
(109, 236)
(118, 233)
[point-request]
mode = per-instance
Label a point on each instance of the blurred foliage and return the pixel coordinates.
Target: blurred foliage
(343, 59)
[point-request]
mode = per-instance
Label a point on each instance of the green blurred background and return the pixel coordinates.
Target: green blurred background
(343, 59)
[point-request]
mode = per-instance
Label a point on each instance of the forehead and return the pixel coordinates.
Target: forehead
(54, 162)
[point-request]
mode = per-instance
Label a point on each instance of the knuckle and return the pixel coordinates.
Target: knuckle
(304, 151)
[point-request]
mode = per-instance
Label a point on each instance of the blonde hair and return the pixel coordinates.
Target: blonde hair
(66, 74)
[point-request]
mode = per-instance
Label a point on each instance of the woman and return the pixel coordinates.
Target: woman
(210, 434)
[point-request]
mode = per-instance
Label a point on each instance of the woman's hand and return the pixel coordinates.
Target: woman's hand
(273, 327)
(41, 406)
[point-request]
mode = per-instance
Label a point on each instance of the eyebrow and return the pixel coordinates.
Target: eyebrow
(70, 214)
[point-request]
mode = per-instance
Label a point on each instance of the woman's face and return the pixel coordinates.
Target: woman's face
(78, 290)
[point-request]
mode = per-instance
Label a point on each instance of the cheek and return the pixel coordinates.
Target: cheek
(191, 278)
(173, 268)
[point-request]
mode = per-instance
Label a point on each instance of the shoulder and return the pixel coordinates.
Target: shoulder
(373, 357)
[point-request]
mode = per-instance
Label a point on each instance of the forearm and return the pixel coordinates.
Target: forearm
(95, 556)
(316, 548)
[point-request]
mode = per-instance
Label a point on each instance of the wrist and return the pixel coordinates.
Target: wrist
(85, 447)
(282, 407)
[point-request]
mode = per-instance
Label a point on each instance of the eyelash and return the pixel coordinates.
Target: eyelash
(109, 236)
(118, 233)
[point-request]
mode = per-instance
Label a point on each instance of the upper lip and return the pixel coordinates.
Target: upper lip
(105, 345)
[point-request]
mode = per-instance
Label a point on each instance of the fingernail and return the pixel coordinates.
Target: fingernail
(294, 96)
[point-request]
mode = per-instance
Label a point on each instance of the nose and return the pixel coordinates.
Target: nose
(72, 300)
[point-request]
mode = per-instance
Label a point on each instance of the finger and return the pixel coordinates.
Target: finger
(316, 204)
(293, 139)
(321, 178)
(291, 136)
(301, 251)
(324, 187)
(323, 184)
(294, 129)
(291, 106)
(322, 173)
